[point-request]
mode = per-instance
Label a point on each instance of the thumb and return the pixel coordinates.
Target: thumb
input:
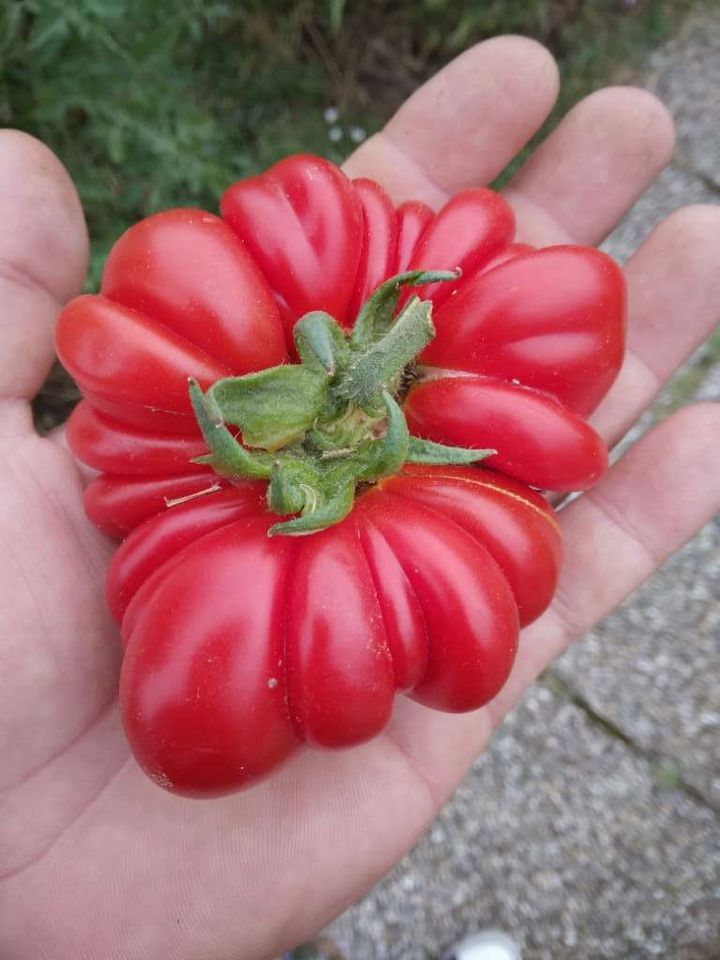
(43, 257)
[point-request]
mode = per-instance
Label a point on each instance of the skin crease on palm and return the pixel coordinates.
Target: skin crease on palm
(96, 861)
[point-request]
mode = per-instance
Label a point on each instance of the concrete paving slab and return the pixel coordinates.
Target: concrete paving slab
(651, 669)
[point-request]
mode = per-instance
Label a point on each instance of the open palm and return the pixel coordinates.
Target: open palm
(96, 861)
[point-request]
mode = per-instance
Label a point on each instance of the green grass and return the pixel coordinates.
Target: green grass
(152, 105)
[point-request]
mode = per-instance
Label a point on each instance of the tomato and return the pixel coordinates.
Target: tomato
(243, 646)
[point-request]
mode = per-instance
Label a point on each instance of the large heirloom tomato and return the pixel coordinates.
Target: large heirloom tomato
(285, 406)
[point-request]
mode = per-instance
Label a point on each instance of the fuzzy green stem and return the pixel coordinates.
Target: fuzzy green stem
(374, 370)
(376, 316)
(320, 340)
(427, 451)
(386, 456)
(319, 512)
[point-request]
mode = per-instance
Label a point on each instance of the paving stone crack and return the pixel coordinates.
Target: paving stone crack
(665, 769)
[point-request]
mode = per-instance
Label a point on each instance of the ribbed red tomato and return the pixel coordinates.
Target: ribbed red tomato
(241, 647)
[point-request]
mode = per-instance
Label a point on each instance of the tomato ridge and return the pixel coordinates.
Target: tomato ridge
(361, 528)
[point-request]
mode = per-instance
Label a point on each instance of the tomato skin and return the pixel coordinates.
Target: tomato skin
(199, 707)
(164, 535)
(516, 525)
(470, 615)
(538, 440)
(471, 228)
(339, 674)
(117, 505)
(180, 296)
(123, 449)
(302, 221)
(232, 316)
(402, 615)
(509, 253)
(122, 356)
(564, 338)
(380, 237)
(413, 219)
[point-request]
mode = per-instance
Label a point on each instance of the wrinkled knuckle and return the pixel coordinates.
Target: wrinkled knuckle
(569, 623)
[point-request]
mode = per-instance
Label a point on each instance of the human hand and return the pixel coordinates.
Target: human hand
(97, 862)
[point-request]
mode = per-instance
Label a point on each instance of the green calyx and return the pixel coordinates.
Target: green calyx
(316, 429)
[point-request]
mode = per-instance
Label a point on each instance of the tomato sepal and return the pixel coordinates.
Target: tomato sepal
(376, 316)
(427, 451)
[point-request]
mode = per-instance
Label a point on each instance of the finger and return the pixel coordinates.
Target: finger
(652, 501)
(43, 255)
(463, 126)
(674, 300)
(578, 184)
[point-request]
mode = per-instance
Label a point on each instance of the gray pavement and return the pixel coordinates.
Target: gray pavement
(590, 829)
(686, 76)
(562, 835)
